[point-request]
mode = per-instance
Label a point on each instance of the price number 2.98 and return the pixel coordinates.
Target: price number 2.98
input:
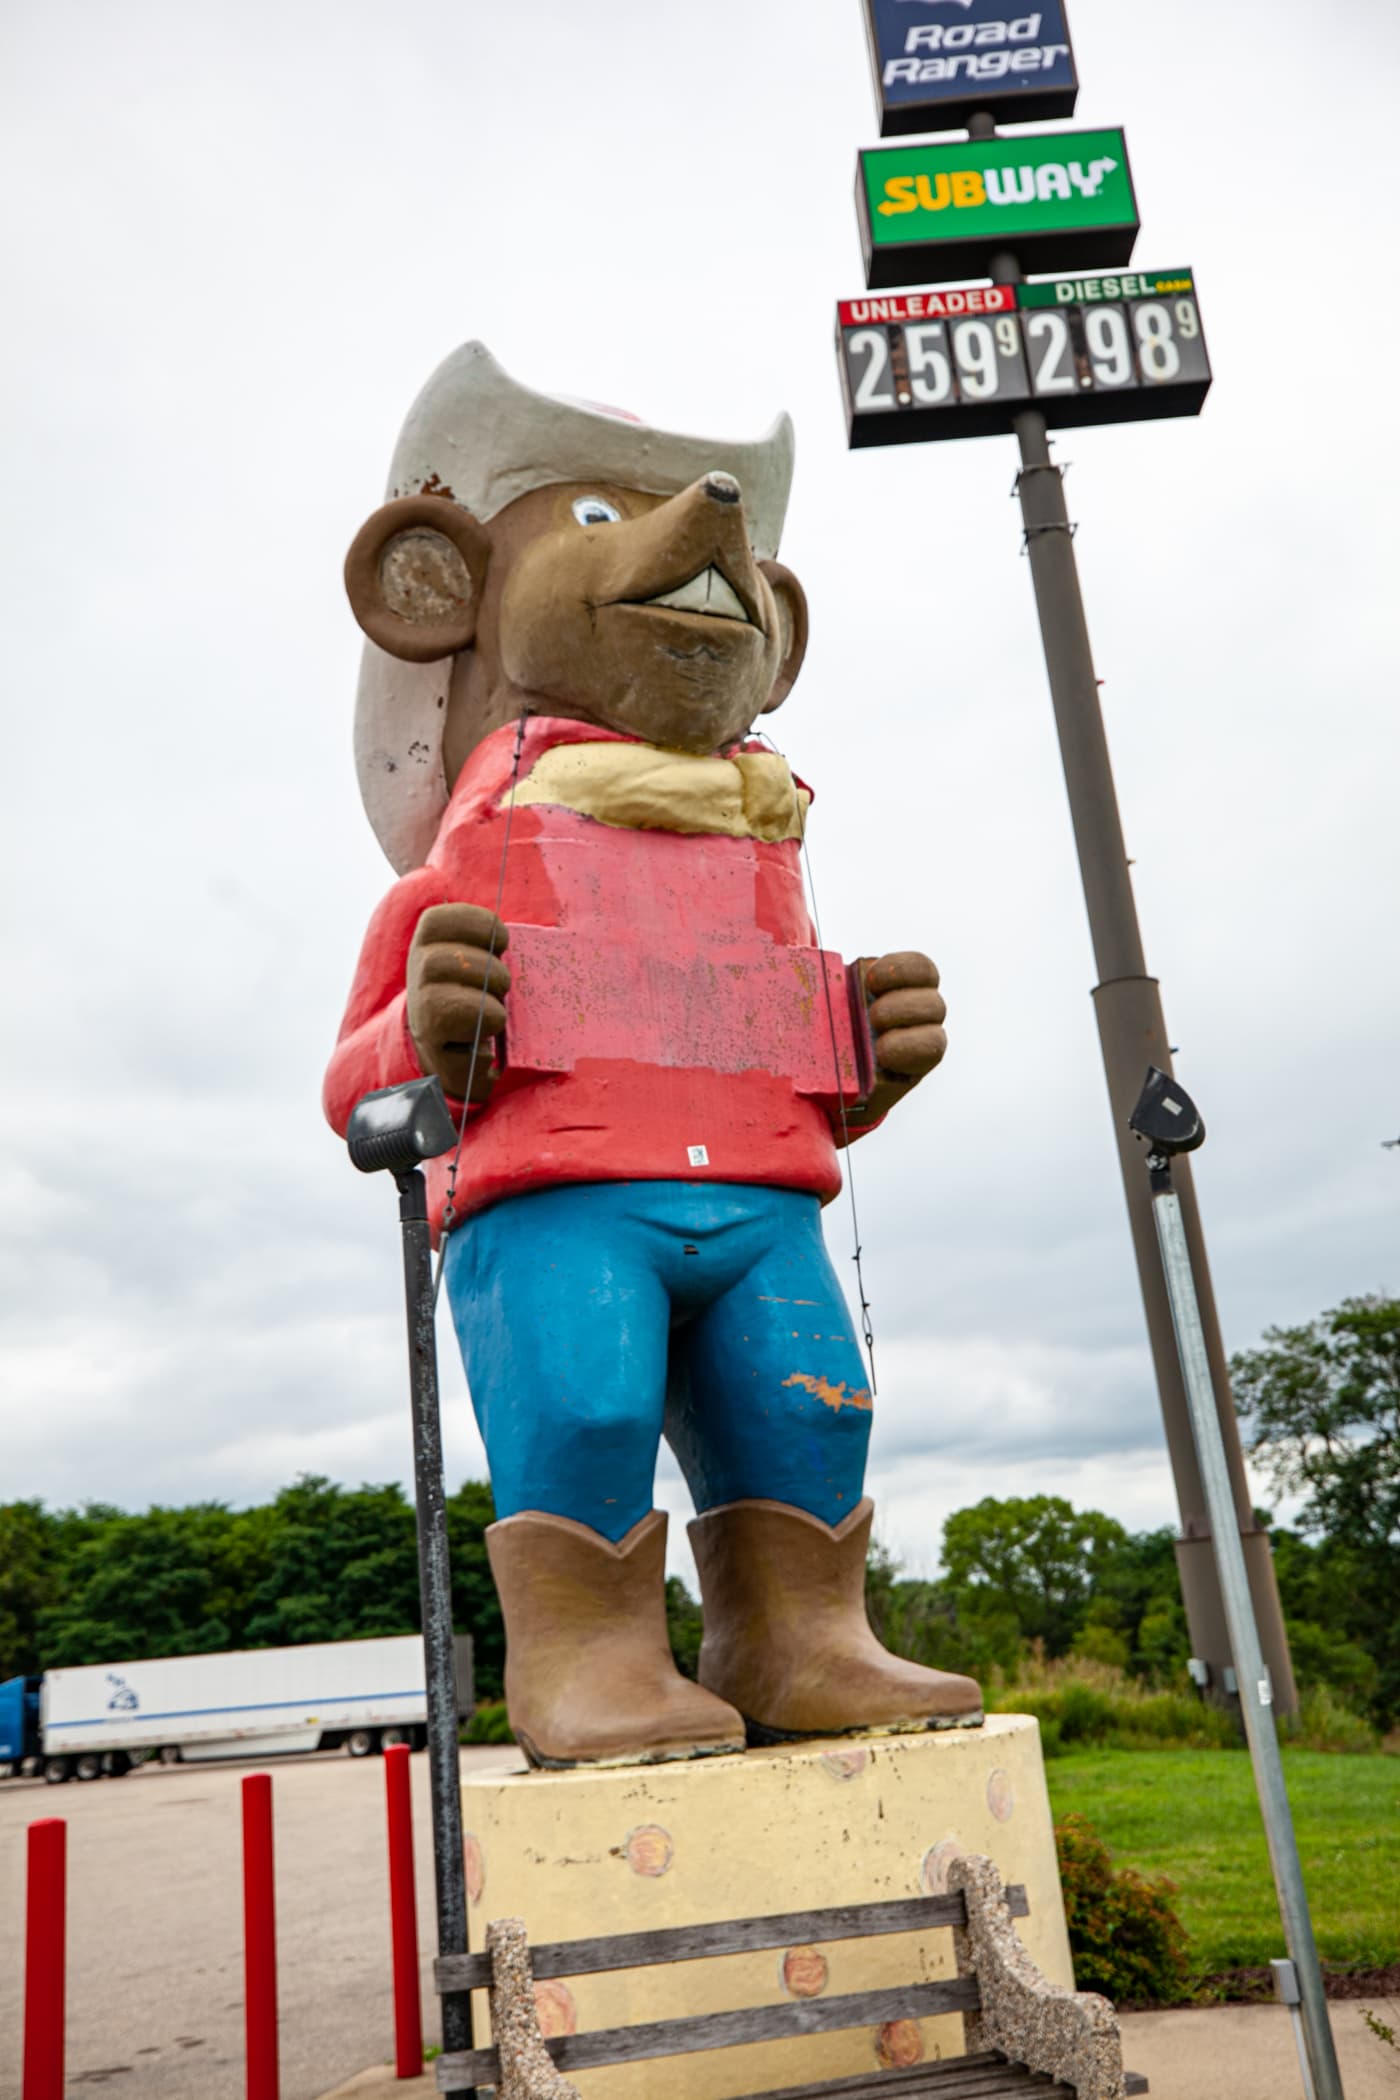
(1143, 342)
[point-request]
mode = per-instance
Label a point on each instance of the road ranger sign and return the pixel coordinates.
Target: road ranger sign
(959, 362)
(1062, 200)
(937, 61)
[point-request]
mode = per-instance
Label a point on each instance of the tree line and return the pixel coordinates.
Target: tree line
(323, 1562)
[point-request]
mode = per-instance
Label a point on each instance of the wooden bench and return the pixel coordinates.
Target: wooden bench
(1023, 2034)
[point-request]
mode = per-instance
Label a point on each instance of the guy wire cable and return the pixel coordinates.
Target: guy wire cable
(867, 1327)
(449, 1209)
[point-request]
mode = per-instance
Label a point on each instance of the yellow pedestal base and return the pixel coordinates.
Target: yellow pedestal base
(579, 1855)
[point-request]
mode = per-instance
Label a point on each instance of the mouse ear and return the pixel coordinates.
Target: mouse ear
(415, 573)
(792, 627)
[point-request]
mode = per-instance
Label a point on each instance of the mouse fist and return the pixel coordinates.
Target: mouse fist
(456, 982)
(907, 1013)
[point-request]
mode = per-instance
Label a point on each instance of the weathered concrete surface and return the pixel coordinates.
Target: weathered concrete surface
(155, 1954)
(1247, 2052)
(637, 1848)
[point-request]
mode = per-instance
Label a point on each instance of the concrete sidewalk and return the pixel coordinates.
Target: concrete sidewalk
(1247, 2052)
(1216, 2052)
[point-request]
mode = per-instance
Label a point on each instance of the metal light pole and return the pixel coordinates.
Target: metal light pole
(395, 1130)
(1166, 1117)
(1132, 1032)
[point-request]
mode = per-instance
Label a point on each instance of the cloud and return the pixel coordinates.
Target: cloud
(229, 279)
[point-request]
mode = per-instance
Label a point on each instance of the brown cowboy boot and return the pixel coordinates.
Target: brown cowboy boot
(590, 1679)
(787, 1640)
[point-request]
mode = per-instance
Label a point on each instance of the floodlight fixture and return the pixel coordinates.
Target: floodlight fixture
(1166, 1116)
(397, 1128)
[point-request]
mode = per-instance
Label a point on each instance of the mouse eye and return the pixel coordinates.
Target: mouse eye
(593, 510)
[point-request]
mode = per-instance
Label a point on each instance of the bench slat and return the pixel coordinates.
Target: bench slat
(979, 2077)
(983, 2076)
(759, 2023)
(797, 1928)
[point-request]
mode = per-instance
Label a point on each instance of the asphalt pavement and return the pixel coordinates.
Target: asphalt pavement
(155, 1923)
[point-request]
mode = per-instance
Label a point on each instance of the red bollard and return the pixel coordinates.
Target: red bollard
(44, 1959)
(259, 1939)
(403, 1915)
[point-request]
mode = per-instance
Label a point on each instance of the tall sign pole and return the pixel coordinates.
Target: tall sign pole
(1022, 357)
(1133, 1035)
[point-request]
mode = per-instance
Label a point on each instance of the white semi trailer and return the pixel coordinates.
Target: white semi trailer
(103, 1718)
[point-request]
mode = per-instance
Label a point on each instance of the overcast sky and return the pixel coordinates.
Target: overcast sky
(242, 235)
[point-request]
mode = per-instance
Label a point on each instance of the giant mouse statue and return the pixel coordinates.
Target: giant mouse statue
(574, 622)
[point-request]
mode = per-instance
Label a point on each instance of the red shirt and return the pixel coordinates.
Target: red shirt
(666, 1032)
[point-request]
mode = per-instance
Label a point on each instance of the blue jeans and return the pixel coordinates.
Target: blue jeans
(595, 1317)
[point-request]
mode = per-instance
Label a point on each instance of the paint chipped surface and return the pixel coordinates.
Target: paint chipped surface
(933, 1871)
(555, 2009)
(804, 1972)
(833, 1396)
(649, 1850)
(474, 1863)
(845, 1764)
(898, 2045)
(1001, 1796)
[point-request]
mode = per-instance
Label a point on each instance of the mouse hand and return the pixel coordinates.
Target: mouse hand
(456, 981)
(907, 1013)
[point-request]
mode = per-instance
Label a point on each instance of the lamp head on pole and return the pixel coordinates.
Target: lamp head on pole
(398, 1127)
(1166, 1116)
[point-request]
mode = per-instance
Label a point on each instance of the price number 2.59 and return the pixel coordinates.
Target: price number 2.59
(930, 364)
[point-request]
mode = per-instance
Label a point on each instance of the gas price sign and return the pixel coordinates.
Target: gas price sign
(960, 362)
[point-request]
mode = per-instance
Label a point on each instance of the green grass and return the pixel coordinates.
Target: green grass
(1193, 1814)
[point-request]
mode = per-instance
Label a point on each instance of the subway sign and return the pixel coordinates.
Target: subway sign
(1060, 200)
(1117, 347)
(937, 61)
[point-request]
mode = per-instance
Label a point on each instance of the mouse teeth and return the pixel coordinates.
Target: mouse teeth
(706, 593)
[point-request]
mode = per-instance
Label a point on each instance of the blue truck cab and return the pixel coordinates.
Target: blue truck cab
(19, 1721)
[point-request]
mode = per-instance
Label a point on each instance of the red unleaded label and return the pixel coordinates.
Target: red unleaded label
(929, 306)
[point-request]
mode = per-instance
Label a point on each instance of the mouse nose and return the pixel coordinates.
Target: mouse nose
(722, 488)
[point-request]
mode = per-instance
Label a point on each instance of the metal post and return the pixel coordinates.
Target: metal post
(45, 1958)
(1255, 1690)
(1286, 1988)
(435, 1585)
(403, 1914)
(1132, 1033)
(261, 2072)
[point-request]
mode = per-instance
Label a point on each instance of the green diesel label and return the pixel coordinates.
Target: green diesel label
(1123, 284)
(998, 189)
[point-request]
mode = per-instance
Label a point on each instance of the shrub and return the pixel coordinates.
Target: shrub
(1325, 1720)
(1080, 1702)
(1124, 1935)
(489, 1724)
(1102, 1644)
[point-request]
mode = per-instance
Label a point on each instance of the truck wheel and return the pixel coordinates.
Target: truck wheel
(89, 1766)
(56, 1770)
(116, 1764)
(169, 1753)
(390, 1738)
(360, 1742)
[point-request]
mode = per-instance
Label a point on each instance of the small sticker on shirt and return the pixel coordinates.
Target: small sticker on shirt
(698, 1155)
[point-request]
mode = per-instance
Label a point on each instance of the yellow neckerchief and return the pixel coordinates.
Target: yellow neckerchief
(638, 787)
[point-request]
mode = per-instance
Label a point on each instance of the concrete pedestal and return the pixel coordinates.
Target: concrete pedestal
(579, 1855)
